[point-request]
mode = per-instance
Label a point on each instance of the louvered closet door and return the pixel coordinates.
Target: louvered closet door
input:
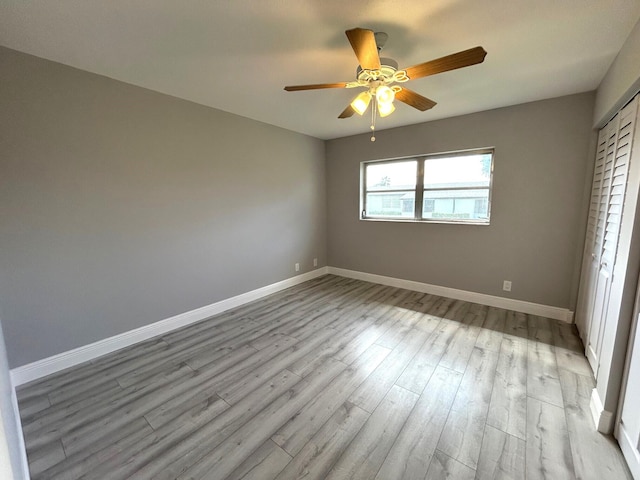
(592, 253)
(619, 135)
(597, 215)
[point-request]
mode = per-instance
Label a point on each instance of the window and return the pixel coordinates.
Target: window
(449, 187)
(390, 188)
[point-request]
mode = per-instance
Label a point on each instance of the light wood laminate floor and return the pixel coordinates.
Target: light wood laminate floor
(335, 378)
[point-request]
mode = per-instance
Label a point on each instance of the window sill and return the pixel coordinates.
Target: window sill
(426, 221)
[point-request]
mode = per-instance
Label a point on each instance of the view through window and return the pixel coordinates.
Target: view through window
(451, 187)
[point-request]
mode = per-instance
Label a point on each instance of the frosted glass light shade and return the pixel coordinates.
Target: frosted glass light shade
(385, 108)
(384, 94)
(361, 102)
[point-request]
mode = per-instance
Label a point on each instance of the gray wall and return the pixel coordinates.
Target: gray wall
(621, 82)
(542, 162)
(120, 206)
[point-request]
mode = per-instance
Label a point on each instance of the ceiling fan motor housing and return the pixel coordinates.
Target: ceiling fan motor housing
(387, 74)
(388, 67)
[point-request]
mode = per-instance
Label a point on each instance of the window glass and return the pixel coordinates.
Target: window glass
(458, 171)
(459, 204)
(391, 176)
(391, 188)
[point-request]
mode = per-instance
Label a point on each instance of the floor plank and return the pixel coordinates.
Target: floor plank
(179, 439)
(411, 453)
(461, 438)
(490, 337)
(417, 374)
(230, 453)
(299, 429)
(463, 341)
(502, 456)
(543, 380)
(508, 408)
(379, 382)
(263, 464)
(365, 454)
(319, 455)
(131, 439)
(45, 457)
(569, 349)
(548, 451)
(445, 467)
(515, 325)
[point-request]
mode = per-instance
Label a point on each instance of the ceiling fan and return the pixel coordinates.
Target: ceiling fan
(380, 76)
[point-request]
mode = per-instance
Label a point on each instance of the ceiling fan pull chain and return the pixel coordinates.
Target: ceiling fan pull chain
(373, 121)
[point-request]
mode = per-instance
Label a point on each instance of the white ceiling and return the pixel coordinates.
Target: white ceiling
(237, 55)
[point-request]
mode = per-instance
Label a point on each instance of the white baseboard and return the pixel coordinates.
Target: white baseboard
(602, 419)
(556, 313)
(47, 366)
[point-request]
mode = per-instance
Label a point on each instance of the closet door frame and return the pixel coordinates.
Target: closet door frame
(625, 436)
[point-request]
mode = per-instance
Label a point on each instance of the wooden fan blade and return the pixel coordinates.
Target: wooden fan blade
(462, 59)
(296, 88)
(364, 46)
(348, 112)
(415, 99)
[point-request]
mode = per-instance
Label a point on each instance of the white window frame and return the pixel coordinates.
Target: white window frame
(419, 188)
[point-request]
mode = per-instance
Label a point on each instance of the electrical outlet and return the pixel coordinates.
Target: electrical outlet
(297, 267)
(315, 262)
(506, 285)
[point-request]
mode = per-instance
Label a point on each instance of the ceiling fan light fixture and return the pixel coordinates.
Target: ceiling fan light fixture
(384, 95)
(386, 109)
(361, 102)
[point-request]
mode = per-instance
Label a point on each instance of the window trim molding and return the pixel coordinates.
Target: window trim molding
(419, 188)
